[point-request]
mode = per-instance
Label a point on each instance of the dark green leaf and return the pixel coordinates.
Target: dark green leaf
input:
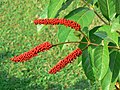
(117, 7)
(107, 8)
(93, 38)
(119, 77)
(95, 1)
(105, 32)
(82, 45)
(115, 64)
(87, 65)
(64, 6)
(119, 41)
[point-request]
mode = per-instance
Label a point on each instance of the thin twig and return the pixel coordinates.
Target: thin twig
(94, 44)
(85, 37)
(100, 17)
(114, 47)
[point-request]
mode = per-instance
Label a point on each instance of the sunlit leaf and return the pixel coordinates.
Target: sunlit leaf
(108, 82)
(83, 16)
(101, 61)
(54, 6)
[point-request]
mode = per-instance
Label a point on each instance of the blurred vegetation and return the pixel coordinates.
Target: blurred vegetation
(17, 35)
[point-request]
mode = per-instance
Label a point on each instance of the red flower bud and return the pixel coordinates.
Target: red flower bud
(62, 63)
(55, 21)
(32, 53)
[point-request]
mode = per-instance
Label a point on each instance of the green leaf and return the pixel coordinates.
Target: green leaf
(105, 32)
(107, 8)
(115, 25)
(81, 15)
(93, 38)
(83, 45)
(119, 41)
(95, 1)
(101, 61)
(91, 1)
(119, 77)
(79, 61)
(66, 34)
(117, 7)
(115, 65)
(64, 6)
(106, 81)
(87, 65)
(54, 6)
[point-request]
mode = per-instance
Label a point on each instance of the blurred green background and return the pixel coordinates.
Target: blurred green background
(19, 34)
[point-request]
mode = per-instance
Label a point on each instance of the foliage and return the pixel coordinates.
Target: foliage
(18, 35)
(100, 44)
(100, 60)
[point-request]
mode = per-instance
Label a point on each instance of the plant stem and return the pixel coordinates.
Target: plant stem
(114, 47)
(85, 37)
(94, 44)
(100, 17)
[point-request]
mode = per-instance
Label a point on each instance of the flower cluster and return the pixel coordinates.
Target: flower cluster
(32, 53)
(62, 63)
(46, 45)
(55, 21)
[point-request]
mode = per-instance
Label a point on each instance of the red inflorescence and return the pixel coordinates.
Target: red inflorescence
(62, 63)
(55, 21)
(32, 53)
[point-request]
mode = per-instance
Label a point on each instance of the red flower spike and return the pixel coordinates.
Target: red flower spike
(32, 53)
(62, 63)
(55, 21)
